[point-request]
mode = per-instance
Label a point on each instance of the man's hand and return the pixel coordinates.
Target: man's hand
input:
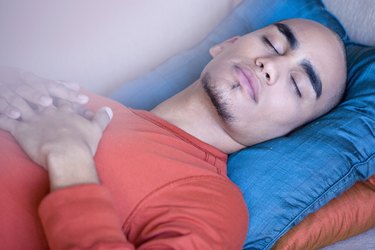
(34, 89)
(60, 140)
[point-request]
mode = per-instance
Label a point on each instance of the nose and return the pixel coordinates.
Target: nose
(268, 69)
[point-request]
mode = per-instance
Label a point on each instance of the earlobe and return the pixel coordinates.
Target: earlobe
(218, 48)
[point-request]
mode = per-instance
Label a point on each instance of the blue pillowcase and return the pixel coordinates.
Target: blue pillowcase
(287, 178)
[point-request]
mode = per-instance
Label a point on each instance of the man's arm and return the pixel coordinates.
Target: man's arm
(79, 212)
(63, 143)
(197, 213)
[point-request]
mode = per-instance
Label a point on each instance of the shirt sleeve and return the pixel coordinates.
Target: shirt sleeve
(203, 212)
(82, 217)
(198, 213)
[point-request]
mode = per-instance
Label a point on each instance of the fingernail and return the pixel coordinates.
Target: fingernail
(45, 101)
(109, 112)
(14, 114)
(83, 98)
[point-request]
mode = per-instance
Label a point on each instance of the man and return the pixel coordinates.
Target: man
(169, 189)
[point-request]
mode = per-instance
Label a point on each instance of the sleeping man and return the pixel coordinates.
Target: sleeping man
(167, 188)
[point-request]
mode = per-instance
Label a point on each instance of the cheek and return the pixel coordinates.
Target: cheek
(280, 108)
(276, 117)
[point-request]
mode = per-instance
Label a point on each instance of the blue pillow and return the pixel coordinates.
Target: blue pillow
(285, 179)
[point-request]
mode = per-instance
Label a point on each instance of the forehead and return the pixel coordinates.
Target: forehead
(311, 42)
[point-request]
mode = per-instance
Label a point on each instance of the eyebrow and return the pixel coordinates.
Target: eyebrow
(288, 33)
(313, 77)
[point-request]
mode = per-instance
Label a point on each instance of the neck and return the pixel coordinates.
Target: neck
(192, 111)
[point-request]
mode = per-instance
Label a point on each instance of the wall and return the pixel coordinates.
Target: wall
(101, 43)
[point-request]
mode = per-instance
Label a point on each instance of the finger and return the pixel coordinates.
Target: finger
(70, 85)
(85, 112)
(34, 89)
(82, 111)
(17, 102)
(59, 89)
(33, 95)
(102, 117)
(8, 110)
(64, 105)
(7, 124)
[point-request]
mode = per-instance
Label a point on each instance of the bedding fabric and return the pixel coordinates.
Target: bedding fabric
(316, 230)
(285, 179)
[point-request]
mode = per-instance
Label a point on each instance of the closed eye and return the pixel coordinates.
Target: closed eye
(268, 43)
(296, 89)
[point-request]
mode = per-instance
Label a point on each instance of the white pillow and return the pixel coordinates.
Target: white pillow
(357, 16)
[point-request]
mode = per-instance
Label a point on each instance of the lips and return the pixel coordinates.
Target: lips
(248, 81)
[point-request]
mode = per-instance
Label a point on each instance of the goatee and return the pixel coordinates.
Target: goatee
(217, 98)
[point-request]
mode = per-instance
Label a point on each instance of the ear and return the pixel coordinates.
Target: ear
(218, 48)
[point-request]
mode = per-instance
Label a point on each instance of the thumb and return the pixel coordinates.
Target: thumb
(102, 117)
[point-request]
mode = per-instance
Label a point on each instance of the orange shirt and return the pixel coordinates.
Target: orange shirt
(161, 189)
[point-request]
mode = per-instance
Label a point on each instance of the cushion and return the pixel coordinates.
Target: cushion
(285, 179)
(350, 214)
(357, 17)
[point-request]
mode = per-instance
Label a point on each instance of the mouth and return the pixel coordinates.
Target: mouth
(248, 81)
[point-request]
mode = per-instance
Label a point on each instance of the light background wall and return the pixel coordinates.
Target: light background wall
(101, 43)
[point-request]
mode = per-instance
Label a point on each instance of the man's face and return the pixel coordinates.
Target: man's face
(273, 80)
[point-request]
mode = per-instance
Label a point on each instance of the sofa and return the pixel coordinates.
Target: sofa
(106, 44)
